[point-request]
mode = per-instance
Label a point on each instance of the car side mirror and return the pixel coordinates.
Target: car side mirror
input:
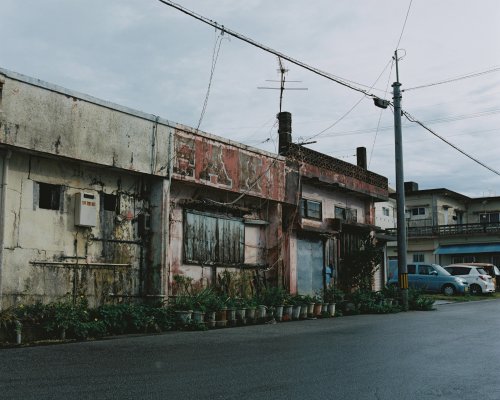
(433, 273)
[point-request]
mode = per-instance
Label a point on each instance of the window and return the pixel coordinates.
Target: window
(385, 211)
(418, 211)
(463, 259)
(109, 202)
(489, 217)
(418, 257)
(310, 209)
(346, 214)
(49, 196)
(425, 269)
(411, 268)
(212, 239)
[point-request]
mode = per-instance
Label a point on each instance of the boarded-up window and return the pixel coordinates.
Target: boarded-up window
(213, 239)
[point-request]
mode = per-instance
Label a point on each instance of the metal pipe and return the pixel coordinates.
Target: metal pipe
(3, 196)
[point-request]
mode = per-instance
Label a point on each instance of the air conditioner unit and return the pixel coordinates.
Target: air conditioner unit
(85, 209)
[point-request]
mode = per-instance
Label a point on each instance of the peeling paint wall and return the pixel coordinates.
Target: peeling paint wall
(206, 160)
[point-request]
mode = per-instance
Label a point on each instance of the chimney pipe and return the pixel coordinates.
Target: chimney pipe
(284, 131)
(361, 157)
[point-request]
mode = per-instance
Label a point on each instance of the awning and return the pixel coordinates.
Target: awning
(469, 248)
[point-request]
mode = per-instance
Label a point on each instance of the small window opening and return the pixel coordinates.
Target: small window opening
(109, 202)
(49, 196)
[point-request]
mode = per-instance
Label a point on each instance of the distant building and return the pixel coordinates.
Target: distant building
(447, 227)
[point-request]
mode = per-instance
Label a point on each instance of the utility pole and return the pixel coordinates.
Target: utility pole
(400, 190)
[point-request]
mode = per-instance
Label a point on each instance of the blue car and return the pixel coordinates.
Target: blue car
(433, 278)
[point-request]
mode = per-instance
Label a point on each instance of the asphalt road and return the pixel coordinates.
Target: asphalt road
(451, 353)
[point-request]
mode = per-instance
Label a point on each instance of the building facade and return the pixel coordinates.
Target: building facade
(102, 201)
(446, 227)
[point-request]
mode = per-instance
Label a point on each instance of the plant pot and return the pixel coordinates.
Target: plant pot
(261, 312)
(317, 309)
(310, 309)
(210, 319)
(184, 316)
(331, 309)
(220, 324)
(287, 313)
(296, 311)
(221, 315)
(198, 317)
(303, 311)
(278, 313)
(241, 313)
(250, 314)
(231, 316)
(324, 308)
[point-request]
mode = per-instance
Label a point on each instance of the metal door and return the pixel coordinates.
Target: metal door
(310, 266)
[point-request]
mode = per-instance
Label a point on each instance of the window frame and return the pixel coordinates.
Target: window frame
(211, 249)
(418, 257)
(49, 196)
(306, 212)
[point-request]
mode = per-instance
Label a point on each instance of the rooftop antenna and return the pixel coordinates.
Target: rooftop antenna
(282, 70)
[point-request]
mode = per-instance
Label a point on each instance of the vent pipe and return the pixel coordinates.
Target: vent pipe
(284, 131)
(361, 157)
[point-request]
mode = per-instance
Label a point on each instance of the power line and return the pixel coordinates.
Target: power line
(222, 28)
(412, 119)
(458, 78)
(215, 57)
(380, 114)
(352, 108)
(452, 118)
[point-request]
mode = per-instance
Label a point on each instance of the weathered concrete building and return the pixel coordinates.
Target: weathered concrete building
(83, 188)
(334, 212)
(104, 201)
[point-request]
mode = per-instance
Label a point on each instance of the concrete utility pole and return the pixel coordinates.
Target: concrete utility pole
(400, 190)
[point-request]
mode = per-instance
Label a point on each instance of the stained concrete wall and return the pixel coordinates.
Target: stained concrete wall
(46, 256)
(52, 135)
(38, 116)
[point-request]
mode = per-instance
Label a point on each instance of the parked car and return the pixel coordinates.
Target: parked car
(433, 278)
(477, 277)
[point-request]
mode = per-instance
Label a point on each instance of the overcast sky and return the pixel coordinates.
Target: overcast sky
(151, 57)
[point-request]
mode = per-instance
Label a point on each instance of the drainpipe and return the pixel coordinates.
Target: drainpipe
(3, 196)
(166, 217)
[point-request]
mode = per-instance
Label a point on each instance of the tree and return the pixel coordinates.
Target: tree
(360, 265)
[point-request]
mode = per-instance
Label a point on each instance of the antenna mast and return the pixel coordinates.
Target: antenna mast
(282, 70)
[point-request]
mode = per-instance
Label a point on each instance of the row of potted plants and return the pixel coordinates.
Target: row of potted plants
(207, 306)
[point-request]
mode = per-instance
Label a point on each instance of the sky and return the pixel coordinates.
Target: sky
(151, 57)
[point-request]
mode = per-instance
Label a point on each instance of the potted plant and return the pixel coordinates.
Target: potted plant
(183, 306)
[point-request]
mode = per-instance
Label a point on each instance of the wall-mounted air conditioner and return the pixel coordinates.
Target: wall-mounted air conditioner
(85, 209)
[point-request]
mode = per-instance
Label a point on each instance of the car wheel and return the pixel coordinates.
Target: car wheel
(448, 290)
(475, 289)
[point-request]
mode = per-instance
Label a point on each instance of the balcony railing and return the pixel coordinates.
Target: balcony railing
(452, 230)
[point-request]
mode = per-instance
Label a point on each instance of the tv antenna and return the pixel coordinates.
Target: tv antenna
(282, 71)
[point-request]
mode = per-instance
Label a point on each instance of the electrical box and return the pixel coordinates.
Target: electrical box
(85, 209)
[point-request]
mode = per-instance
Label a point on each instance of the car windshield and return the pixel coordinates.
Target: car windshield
(482, 271)
(440, 270)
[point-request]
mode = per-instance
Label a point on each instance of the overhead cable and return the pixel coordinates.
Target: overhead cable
(215, 57)
(412, 119)
(239, 36)
(458, 78)
(352, 108)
